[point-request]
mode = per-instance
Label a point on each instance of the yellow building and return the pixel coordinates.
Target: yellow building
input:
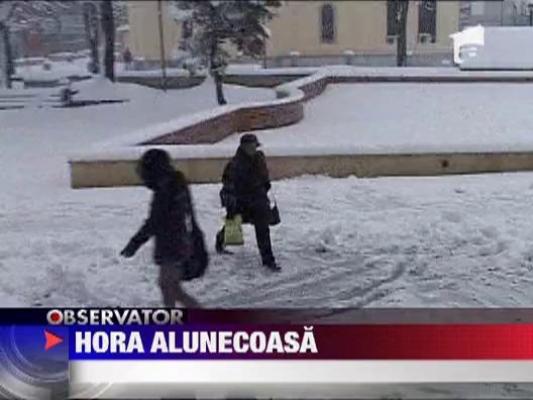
(317, 32)
(333, 29)
(144, 39)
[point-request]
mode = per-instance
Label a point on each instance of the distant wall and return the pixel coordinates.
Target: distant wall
(269, 81)
(438, 59)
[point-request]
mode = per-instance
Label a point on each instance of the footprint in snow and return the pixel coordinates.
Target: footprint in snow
(451, 216)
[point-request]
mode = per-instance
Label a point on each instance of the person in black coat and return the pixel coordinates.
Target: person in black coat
(171, 222)
(245, 185)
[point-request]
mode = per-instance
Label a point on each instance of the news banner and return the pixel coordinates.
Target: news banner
(123, 352)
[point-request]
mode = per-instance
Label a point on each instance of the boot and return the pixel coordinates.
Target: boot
(272, 265)
(219, 242)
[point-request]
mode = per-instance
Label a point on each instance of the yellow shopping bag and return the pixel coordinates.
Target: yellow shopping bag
(233, 235)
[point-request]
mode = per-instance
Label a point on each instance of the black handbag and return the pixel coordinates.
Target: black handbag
(274, 215)
(196, 265)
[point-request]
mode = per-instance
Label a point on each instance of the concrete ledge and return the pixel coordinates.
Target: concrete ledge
(432, 79)
(274, 79)
(209, 170)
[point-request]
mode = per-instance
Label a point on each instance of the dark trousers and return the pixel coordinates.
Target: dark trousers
(259, 217)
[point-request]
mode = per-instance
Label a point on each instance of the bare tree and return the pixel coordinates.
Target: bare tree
(402, 8)
(99, 20)
(92, 34)
(108, 29)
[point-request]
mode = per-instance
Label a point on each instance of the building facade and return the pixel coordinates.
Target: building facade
(361, 32)
(496, 13)
(320, 32)
(144, 37)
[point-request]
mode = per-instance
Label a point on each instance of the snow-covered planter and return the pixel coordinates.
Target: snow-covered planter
(253, 75)
(289, 96)
(112, 163)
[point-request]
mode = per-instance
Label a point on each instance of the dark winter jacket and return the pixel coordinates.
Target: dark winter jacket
(245, 183)
(170, 222)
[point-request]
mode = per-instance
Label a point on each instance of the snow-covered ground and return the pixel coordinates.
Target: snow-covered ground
(432, 242)
(58, 70)
(389, 242)
(403, 117)
(79, 68)
(34, 144)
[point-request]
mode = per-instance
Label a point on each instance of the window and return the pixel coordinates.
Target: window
(327, 19)
(427, 20)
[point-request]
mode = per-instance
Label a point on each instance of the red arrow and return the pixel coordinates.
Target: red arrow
(52, 340)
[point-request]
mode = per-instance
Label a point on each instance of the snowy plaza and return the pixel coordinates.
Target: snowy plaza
(450, 241)
(397, 135)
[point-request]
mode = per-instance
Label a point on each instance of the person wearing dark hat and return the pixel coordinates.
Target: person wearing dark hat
(245, 184)
(172, 223)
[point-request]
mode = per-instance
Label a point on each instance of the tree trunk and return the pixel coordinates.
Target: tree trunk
(8, 68)
(108, 29)
(9, 54)
(214, 62)
(401, 52)
(220, 91)
(91, 35)
(216, 73)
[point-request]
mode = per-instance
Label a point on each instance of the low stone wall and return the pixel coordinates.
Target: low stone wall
(172, 82)
(431, 79)
(248, 118)
(359, 60)
(209, 170)
(215, 129)
(210, 130)
(279, 79)
(315, 87)
(268, 81)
